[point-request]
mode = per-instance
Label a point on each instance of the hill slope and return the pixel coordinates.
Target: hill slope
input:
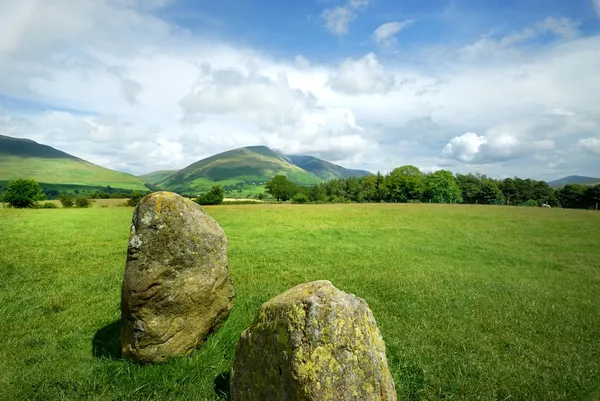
(24, 158)
(574, 179)
(253, 163)
(324, 169)
(156, 176)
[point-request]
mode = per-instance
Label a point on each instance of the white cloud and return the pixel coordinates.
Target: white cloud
(362, 76)
(302, 61)
(338, 19)
(475, 149)
(115, 84)
(384, 34)
(590, 145)
(563, 28)
(597, 6)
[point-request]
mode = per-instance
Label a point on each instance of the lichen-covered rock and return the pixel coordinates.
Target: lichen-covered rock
(313, 342)
(176, 289)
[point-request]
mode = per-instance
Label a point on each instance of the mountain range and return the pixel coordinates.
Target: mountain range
(574, 179)
(24, 158)
(247, 168)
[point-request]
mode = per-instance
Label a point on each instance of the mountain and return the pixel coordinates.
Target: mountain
(253, 163)
(156, 176)
(574, 179)
(24, 158)
(324, 169)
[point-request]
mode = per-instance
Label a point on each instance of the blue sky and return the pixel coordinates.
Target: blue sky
(289, 28)
(500, 87)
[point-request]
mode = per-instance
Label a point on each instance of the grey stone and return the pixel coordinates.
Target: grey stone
(176, 288)
(313, 342)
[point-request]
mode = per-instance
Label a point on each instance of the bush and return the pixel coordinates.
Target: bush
(531, 203)
(23, 193)
(241, 202)
(300, 198)
(214, 197)
(45, 205)
(134, 200)
(82, 201)
(67, 200)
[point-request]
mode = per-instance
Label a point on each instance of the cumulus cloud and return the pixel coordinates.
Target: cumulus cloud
(385, 34)
(590, 145)
(287, 118)
(478, 149)
(115, 84)
(338, 19)
(362, 76)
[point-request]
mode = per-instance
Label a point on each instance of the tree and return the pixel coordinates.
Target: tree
(442, 187)
(573, 196)
(135, 198)
(490, 192)
(67, 200)
(470, 187)
(592, 195)
(214, 197)
(317, 193)
(405, 183)
(82, 201)
(281, 188)
(23, 193)
(381, 192)
(300, 198)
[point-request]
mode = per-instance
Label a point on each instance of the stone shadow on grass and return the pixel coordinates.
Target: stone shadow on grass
(221, 385)
(106, 341)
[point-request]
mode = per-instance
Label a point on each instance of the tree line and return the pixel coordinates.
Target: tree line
(409, 184)
(403, 184)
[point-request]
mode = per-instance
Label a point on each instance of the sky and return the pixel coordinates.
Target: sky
(500, 87)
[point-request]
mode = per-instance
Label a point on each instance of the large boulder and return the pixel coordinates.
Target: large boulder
(176, 289)
(313, 342)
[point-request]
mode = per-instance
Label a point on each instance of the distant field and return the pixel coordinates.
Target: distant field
(96, 202)
(491, 303)
(66, 170)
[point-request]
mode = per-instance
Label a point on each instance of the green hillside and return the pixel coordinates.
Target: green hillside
(23, 158)
(574, 179)
(254, 163)
(156, 176)
(324, 169)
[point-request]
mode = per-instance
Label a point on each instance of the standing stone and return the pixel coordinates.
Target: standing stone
(313, 342)
(176, 289)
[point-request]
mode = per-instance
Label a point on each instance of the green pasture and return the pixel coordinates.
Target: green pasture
(76, 172)
(474, 303)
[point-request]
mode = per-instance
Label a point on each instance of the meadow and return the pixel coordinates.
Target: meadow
(53, 172)
(473, 302)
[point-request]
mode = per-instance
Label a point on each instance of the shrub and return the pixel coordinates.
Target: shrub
(45, 205)
(23, 193)
(300, 198)
(67, 200)
(214, 197)
(531, 203)
(82, 201)
(241, 202)
(134, 200)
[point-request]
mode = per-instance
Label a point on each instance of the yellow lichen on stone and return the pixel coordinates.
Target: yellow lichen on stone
(313, 342)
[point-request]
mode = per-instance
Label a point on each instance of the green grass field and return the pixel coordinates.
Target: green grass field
(489, 303)
(69, 172)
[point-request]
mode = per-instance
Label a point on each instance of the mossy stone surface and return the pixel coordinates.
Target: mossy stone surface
(313, 342)
(176, 287)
